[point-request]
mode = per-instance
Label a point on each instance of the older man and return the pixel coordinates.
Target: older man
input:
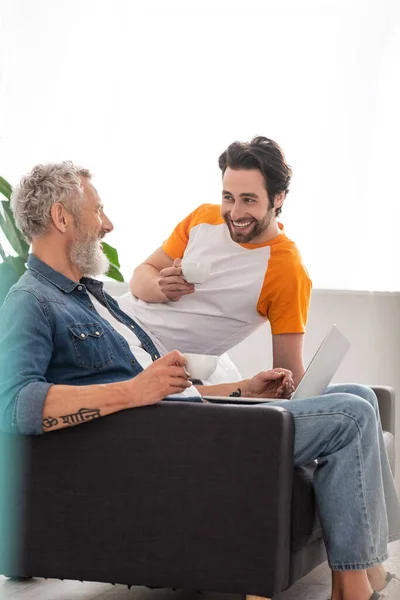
(69, 354)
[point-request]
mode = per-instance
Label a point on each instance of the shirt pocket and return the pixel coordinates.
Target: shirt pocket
(92, 349)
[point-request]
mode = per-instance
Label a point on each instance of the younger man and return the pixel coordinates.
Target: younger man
(256, 272)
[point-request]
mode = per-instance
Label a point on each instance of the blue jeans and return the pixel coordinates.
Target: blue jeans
(356, 496)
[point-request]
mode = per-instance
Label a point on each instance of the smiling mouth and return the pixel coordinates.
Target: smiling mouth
(241, 225)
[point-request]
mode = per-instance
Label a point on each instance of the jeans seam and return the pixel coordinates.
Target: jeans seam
(359, 566)
(360, 459)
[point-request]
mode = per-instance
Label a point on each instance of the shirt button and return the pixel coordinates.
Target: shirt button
(97, 332)
(133, 361)
(79, 287)
(82, 335)
(132, 327)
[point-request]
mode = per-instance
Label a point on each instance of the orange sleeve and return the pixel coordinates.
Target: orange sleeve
(285, 296)
(175, 245)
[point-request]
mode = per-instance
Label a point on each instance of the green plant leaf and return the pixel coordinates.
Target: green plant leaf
(3, 255)
(5, 188)
(111, 254)
(18, 263)
(11, 231)
(113, 273)
(8, 276)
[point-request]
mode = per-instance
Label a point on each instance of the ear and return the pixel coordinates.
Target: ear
(279, 199)
(60, 217)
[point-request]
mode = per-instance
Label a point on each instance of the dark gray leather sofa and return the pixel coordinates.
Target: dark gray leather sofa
(176, 495)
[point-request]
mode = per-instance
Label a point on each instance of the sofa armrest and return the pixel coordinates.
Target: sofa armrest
(185, 495)
(387, 406)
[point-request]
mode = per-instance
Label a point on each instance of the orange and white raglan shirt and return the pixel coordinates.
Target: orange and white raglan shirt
(248, 284)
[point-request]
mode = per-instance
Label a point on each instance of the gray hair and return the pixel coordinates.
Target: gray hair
(45, 185)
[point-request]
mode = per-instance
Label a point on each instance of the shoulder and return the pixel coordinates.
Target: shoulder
(23, 304)
(29, 297)
(23, 310)
(27, 289)
(206, 213)
(285, 254)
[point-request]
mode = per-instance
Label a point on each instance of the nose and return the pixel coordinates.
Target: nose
(237, 212)
(106, 224)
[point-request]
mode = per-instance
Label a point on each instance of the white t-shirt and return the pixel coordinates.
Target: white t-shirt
(248, 284)
(135, 346)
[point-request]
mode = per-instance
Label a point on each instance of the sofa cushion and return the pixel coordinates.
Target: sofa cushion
(390, 448)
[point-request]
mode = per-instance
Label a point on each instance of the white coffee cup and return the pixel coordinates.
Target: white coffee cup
(195, 272)
(201, 366)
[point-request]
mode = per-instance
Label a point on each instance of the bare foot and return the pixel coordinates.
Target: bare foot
(351, 585)
(377, 577)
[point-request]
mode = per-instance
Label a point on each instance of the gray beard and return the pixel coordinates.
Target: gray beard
(88, 258)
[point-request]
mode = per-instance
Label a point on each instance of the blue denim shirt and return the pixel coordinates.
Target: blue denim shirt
(50, 333)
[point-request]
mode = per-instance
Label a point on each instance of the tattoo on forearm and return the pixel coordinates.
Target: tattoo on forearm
(49, 422)
(84, 414)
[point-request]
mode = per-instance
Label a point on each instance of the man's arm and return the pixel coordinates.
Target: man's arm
(30, 404)
(159, 279)
(287, 351)
(275, 383)
(285, 301)
(67, 405)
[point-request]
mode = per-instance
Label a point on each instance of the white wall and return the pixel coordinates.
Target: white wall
(370, 320)
(148, 94)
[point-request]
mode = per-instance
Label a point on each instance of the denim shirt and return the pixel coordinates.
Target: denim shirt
(50, 333)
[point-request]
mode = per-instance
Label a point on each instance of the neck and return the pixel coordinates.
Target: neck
(272, 231)
(56, 257)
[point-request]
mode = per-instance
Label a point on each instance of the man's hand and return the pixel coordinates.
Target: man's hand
(276, 383)
(172, 284)
(165, 376)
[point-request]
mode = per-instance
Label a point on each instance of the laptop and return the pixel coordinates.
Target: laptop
(316, 378)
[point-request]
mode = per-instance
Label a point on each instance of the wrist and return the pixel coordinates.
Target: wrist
(244, 388)
(128, 395)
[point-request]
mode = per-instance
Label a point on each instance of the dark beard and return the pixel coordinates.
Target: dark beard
(259, 228)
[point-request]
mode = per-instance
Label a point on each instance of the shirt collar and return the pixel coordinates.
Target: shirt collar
(58, 279)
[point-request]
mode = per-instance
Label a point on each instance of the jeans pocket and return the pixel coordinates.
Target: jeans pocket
(92, 349)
